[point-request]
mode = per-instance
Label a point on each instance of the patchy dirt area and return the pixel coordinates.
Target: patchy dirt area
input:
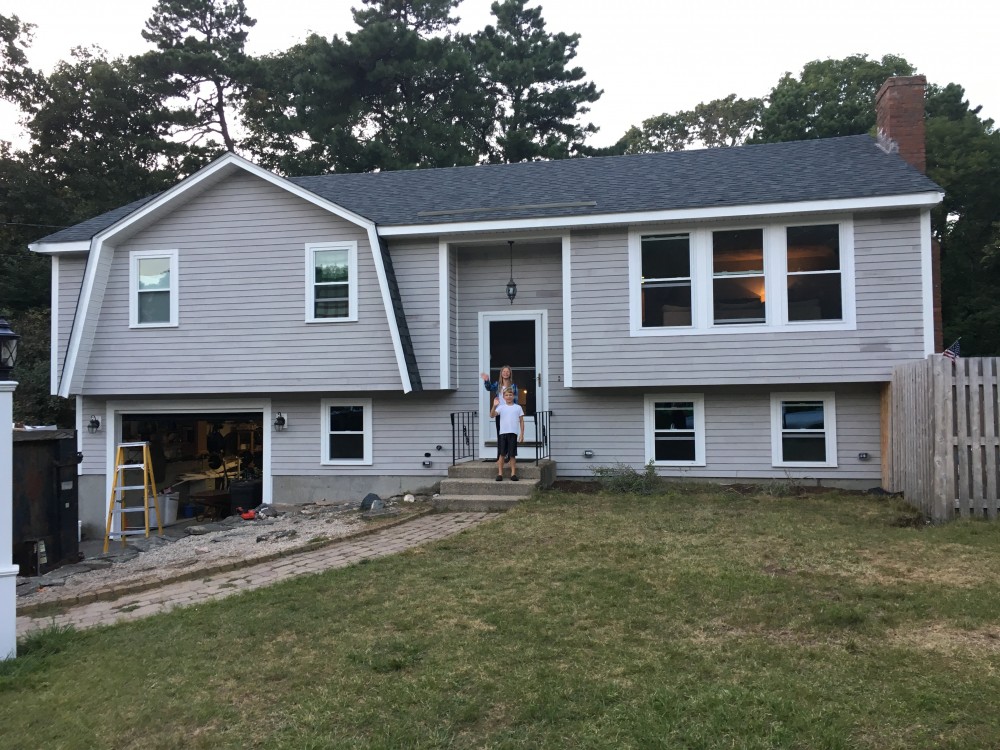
(196, 545)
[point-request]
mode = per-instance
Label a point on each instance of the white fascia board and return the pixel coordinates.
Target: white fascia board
(59, 248)
(915, 200)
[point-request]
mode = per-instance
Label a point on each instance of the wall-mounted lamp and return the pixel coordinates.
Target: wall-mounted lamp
(588, 454)
(280, 421)
(511, 286)
(94, 424)
(8, 350)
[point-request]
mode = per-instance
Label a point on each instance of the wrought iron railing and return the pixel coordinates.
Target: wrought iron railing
(464, 437)
(543, 419)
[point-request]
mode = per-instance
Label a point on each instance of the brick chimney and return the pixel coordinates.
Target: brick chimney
(899, 118)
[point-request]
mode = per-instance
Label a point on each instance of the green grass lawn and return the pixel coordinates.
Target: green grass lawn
(693, 619)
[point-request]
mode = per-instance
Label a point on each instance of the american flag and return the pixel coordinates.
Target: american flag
(952, 352)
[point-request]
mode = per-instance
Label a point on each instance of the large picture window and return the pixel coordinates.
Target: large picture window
(331, 282)
(347, 431)
(778, 275)
(153, 288)
(803, 429)
(675, 429)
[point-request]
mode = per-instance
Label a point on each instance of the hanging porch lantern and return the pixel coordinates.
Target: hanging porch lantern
(511, 286)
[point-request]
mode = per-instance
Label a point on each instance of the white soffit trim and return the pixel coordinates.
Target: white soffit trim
(58, 248)
(915, 200)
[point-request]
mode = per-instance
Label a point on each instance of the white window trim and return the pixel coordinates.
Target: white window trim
(698, 400)
(133, 287)
(829, 424)
(775, 279)
(352, 280)
(324, 427)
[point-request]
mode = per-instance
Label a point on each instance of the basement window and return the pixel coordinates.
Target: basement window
(347, 431)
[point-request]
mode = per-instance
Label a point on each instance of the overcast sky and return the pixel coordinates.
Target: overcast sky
(648, 56)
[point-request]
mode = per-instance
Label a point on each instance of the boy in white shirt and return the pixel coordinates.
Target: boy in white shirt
(511, 416)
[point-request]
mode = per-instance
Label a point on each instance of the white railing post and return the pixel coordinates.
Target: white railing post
(8, 571)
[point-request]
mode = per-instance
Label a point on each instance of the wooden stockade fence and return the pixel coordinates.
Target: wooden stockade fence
(945, 436)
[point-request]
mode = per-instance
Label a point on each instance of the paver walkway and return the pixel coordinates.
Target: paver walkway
(388, 541)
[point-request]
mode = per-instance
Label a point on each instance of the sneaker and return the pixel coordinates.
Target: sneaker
(500, 477)
(515, 478)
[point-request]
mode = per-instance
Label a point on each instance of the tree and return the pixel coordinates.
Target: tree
(398, 93)
(32, 402)
(721, 122)
(201, 53)
(535, 98)
(18, 82)
(963, 157)
(830, 98)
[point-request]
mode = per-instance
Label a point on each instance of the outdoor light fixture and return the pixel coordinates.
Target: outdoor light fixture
(511, 286)
(94, 424)
(280, 422)
(8, 350)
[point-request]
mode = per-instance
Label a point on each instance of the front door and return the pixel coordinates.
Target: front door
(516, 339)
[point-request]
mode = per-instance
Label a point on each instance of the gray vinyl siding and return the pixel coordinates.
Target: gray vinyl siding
(93, 445)
(737, 433)
(241, 252)
(71, 270)
(889, 316)
(416, 264)
(483, 275)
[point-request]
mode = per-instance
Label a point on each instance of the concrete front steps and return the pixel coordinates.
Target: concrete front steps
(472, 486)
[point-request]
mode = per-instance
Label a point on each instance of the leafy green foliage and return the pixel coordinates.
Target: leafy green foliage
(624, 479)
(32, 402)
(829, 98)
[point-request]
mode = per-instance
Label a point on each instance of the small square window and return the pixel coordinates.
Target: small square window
(675, 430)
(803, 429)
(347, 431)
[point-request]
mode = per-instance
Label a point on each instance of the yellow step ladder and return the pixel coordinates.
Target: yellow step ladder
(131, 457)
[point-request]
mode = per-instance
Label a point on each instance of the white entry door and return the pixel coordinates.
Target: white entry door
(518, 340)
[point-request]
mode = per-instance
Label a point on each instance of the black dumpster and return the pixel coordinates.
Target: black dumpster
(45, 531)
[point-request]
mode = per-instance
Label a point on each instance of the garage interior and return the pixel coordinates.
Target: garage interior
(205, 465)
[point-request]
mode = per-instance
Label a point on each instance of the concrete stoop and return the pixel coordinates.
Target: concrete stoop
(472, 486)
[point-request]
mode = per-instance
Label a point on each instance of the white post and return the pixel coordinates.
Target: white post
(8, 571)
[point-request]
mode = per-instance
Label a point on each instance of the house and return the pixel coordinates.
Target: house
(727, 313)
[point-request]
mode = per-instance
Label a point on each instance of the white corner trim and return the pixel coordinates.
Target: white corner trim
(444, 315)
(567, 300)
(390, 313)
(927, 279)
(54, 328)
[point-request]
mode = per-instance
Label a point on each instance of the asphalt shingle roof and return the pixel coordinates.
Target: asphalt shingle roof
(826, 169)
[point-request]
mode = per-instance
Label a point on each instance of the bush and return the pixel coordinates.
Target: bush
(624, 479)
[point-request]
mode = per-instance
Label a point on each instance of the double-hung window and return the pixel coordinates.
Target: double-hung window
(331, 282)
(813, 272)
(738, 277)
(347, 431)
(675, 429)
(803, 429)
(153, 288)
(666, 280)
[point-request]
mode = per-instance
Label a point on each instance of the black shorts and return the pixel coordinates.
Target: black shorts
(507, 445)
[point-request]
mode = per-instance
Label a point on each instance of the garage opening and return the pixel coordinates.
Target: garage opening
(211, 463)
